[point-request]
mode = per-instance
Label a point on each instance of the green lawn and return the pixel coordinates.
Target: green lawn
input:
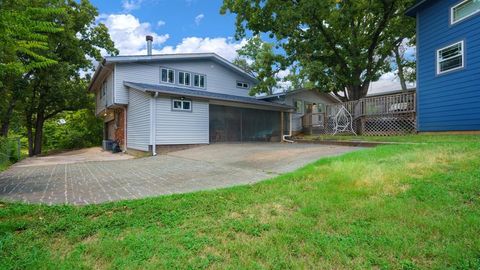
(390, 207)
(401, 139)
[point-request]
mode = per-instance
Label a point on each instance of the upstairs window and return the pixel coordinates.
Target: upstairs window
(104, 90)
(298, 106)
(242, 85)
(181, 105)
(450, 58)
(199, 81)
(168, 75)
(464, 10)
(184, 78)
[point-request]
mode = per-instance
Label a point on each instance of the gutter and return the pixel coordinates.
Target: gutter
(153, 124)
(284, 137)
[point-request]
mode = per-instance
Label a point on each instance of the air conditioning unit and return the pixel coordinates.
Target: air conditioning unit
(107, 145)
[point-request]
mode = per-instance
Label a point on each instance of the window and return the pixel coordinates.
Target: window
(242, 85)
(181, 105)
(450, 58)
(104, 90)
(464, 10)
(183, 78)
(299, 106)
(199, 80)
(168, 75)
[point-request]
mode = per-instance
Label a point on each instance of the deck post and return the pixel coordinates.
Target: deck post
(282, 128)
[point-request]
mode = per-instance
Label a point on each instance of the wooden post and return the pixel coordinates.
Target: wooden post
(281, 126)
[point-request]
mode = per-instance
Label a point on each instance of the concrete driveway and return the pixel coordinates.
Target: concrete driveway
(200, 168)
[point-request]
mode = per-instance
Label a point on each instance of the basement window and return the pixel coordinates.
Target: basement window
(181, 105)
(450, 58)
(463, 10)
(168, 75)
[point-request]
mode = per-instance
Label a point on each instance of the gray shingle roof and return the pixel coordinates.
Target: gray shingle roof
(195, 93)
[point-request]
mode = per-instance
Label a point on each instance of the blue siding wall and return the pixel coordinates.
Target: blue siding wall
(450, 101)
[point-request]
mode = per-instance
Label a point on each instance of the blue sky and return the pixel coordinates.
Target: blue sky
(176, 25)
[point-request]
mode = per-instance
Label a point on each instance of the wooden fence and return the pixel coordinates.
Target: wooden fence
(383, 115)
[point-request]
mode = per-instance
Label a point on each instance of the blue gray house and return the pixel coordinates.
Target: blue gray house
(448, 64)
(163, 101)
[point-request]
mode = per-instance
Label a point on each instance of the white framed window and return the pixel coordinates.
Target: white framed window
(463, 10)
(184, 78)
(298, 106)
(243, 85)
(199, 80)
(181, 105)
(104, 90)
(167, 75)
(450, 58)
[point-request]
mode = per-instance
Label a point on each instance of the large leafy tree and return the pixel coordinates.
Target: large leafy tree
(23, 30)
(340, 45)
(61, 87)
(258, 58)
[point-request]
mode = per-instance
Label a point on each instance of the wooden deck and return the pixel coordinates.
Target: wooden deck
(383, 115)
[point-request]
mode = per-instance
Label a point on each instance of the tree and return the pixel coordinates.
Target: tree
(257, 57)
(24, 30)
(341, 45)
(61, 87)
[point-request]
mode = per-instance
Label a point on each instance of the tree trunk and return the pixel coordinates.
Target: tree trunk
(356, 92)
(6, 120)
(37, 141)
(401, 74)
(28, 124)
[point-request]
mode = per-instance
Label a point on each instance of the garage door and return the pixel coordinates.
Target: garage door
(231, 124)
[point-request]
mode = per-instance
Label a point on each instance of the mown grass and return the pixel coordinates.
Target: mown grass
(413, 138)
(390, 207)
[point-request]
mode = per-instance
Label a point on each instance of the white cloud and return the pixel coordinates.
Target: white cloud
(161, 23)
(129, 5)
(199, 18)
(129, 33)
(225, 47)
(387, 82)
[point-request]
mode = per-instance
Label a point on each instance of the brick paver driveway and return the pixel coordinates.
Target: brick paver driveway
(205, 167)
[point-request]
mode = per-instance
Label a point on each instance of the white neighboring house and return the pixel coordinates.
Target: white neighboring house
(304, 101)
(181, 99)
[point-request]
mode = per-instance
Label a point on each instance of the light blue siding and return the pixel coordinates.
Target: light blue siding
(218, 78)
(181, 127)
(450, 101)
(105, 101)
(134, 72)
(138, 120)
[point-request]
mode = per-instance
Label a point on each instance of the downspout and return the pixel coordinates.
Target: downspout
(125, 129)
(153, 125)
(289, 129)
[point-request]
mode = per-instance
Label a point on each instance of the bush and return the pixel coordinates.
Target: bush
(72, 130)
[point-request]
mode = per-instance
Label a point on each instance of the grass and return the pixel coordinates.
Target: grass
(401, 139)
(390, 207)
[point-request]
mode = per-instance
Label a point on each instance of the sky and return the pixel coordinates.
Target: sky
(181, 26)
(177, 26)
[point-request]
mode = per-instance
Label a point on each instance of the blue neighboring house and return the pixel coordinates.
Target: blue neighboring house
(448, 64)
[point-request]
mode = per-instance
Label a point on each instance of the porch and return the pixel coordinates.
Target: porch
(381, 115)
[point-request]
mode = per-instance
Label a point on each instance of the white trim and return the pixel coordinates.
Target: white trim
(184, 78)
(199, 80)
(452, 19)
(168, 70)
(243, 85)
(182, 101)
(462, 50)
